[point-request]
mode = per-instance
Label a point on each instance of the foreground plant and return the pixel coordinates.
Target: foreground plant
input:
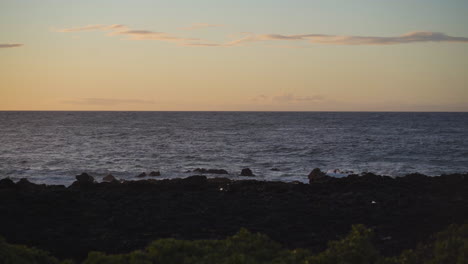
(449, 246)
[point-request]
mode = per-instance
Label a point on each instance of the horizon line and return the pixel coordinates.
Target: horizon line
(246, 111)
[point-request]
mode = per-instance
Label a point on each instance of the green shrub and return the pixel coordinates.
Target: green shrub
(136, 257)
(447, 247)
(356, 248)
(243, 247)
(17, 254)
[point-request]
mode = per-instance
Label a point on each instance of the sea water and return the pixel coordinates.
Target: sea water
(53, 147)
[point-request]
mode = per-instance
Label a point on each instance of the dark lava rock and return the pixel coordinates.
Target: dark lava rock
(353, 176)
(454, 177)
(370, 177)
(118, 218)
(246, 172)
(275, 169)
(25, 185)
(316, 175)
(195, 180)
(222, 181)
(212, 171)
(109, 178)
(141, 175)
(84, 178)
(155, 173)
(23, 182)
(415, 177)
(6, 183)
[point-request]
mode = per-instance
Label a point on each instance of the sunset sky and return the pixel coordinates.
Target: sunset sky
(244, 55)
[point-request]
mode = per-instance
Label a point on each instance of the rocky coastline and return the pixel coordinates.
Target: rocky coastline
(118, 217)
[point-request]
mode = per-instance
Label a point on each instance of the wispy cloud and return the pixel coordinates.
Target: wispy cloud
(151, 35)
(248, 38)
(195, 44)
(200, 26)
(93, 28)
(412, 37)
(420, 36)
(107, 101)
(5, 46)
(132, 34)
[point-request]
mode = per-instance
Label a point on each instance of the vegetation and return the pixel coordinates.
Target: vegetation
(449, 246)
(17, 254)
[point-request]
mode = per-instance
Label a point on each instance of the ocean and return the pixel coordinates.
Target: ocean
(53, 147)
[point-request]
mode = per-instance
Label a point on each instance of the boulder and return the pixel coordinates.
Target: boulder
(6, 183)
(109, 178)
(25, 184)
(141, 175)
(84, 178)
(155, 173)
(246, 172)
(275, 169)
(316, 175)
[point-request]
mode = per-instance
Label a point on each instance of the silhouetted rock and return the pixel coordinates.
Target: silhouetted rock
(454, 177)
(84, 178)
(195, 180)
(25, 185)
(7, 183)
(211, 171)
(141, 175)
(246, 172)
(415, 177)
(274, 169)
(109, 178)
(316, 175)
(155, 173)
(352, 176)
(222, 181)
(370, 177)
(116, 218)
(24, 182)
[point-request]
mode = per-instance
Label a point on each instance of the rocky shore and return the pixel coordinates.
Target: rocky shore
(118, 217)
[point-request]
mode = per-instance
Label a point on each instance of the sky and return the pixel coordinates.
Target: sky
(244, 55)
